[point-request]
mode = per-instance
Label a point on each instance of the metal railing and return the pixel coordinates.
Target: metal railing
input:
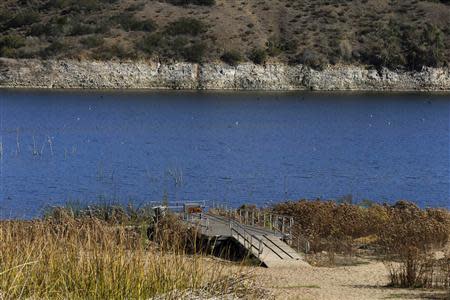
(281, 224)
(274, 222)
(199, 219)
(247, 237)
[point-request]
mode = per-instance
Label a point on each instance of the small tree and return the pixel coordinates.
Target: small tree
(258, 56)
(231, 57)
(194, 53)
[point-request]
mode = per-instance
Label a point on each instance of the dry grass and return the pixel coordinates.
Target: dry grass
(339, 227)
(87, 258)
(402, 235)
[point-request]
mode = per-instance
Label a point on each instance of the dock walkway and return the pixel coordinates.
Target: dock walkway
(264, 244)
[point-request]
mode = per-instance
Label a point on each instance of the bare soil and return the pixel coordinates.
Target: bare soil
(367, 280)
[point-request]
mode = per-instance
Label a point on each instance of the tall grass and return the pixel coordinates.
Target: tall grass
(403, 235)
(87, 258)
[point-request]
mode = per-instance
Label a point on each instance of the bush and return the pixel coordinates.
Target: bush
(86, 5)
(258, 56)
(231, 57)
(54, 49)
(92, 41)
(12, 41)
(409, 238)
(312, 59)
(186, 26)
(194, 53)
(58, 4)
(397, 228)
(81, 29)
(150, 43)
(129, 23)
(27, 17)
(195, 2)
(276, 46)
(425, 48)
(9, 45)
(402, 46)
(115, 51)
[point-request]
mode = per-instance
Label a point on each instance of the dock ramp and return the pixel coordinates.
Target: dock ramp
(268, 246)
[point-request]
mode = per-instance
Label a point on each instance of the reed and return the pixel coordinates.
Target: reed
(88, 258)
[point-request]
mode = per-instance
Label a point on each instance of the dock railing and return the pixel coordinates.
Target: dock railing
(254, 217)
(282, 224)
(250, 240)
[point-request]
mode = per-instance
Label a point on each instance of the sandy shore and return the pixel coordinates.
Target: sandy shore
(364, 281)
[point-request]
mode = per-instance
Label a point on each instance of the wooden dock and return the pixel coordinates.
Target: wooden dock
(266, 245)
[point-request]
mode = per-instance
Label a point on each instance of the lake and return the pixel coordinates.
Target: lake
(227, 147)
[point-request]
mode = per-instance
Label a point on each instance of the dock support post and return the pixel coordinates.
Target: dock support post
(264, 220)
(270, 221)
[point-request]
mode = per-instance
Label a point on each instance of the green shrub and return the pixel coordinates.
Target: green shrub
(231, 57)
(195, 2)
(55, 48)
(23, 18)
(276, 47)
(178, 45)
(186, 26)
(129, 23)
(58, 4)
(92, 41)
(150, 43)
(81, 29)
(86, 5)
(9, 45)
(312, 59)
(12, 41)
(258, 56)
(194, 53)
(427, 49)
(115, 51)
(398, 46)
(4, 15)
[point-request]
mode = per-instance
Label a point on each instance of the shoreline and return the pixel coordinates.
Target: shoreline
(149, 75)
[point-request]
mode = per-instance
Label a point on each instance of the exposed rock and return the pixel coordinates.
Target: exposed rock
(31, 73)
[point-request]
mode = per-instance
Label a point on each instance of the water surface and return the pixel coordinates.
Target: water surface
(224, 147)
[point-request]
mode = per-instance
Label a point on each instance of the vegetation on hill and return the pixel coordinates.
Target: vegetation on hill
(381, 33)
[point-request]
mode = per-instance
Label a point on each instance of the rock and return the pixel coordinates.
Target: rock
(33, 73)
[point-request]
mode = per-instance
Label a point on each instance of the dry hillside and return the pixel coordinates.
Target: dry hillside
(393, 33)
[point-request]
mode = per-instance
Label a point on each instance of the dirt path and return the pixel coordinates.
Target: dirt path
(366, 281)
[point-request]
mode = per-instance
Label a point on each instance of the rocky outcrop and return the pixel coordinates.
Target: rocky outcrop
(30, 73)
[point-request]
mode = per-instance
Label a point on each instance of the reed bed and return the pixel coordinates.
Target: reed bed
(403, 235)
(89, 258)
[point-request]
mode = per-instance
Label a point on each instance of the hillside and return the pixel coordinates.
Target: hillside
(391, 33)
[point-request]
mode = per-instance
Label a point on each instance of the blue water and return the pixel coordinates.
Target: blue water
(230, 148)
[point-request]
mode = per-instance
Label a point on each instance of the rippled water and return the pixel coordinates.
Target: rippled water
(227, 147)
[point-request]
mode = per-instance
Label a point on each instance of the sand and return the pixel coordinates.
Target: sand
(364, 281)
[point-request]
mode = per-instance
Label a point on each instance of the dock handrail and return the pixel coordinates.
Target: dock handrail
(247, 236)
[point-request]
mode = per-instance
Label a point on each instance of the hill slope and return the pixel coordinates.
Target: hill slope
(392, 33)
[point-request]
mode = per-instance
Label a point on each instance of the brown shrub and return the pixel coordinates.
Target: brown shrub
(331, 226)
